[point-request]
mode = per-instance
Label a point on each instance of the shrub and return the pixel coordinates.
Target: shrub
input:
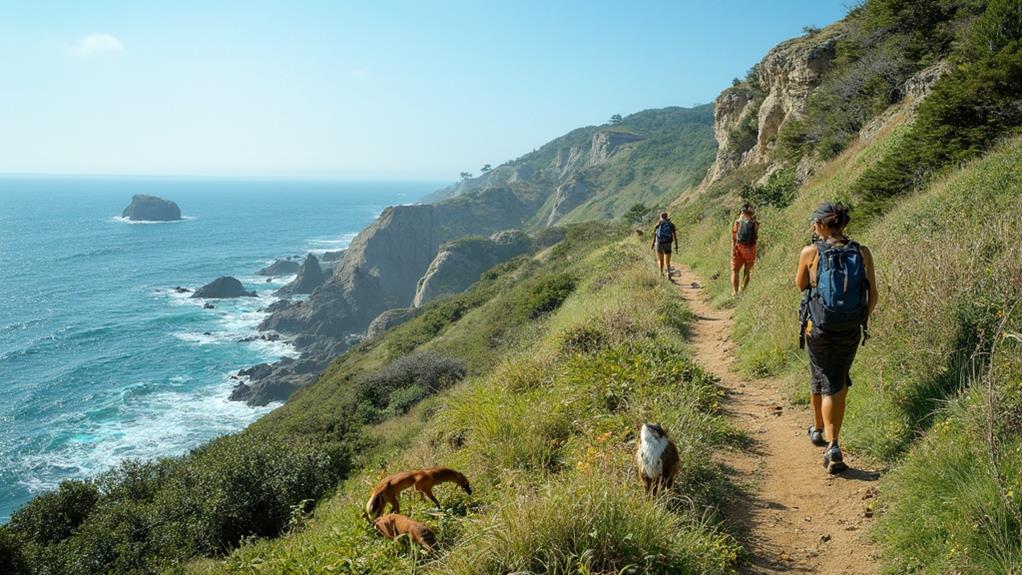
(778, 191)
(395, 388)
(53, 517)
(12, 562)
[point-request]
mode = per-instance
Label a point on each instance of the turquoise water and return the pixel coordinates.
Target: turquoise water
(99, 361)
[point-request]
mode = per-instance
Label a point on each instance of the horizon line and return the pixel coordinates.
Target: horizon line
(226, 177)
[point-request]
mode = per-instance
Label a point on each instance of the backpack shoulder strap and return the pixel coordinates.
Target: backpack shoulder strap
(814, 266)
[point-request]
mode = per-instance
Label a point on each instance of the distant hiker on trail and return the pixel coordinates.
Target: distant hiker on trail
(744, 233)
(663, 235)
(838, 282)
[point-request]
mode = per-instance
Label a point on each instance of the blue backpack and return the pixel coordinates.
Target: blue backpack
(838, 301)
(665, 232)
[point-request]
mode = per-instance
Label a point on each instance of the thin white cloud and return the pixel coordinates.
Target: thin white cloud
(97, 43)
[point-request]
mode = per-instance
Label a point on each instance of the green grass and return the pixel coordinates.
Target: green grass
(949, 263)
(546, 437)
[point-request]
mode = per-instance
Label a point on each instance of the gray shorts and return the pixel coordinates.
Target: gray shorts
(830, 360)
(663, 247)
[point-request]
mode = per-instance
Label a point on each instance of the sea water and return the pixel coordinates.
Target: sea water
(100, 359)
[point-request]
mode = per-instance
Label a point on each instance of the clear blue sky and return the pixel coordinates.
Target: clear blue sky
(346, 89)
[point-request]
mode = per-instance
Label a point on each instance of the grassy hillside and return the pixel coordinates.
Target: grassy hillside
(672, 149)
(545, 435)
(949, 261)
(144, 517)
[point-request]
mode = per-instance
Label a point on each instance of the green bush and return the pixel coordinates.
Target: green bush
(142, 516)
(778, 191)
(12, 562)
(54, 516)
(394, 389)
(965, 114)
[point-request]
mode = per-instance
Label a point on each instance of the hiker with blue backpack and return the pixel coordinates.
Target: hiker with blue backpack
(838, 282)
(663, 235)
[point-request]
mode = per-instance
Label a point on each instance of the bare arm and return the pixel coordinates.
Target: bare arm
(805, 259)
(874, 293)
(734, 235)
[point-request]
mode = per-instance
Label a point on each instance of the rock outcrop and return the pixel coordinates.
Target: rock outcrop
(460, 263)
(568, 196)
(309, 277)
(145, 208)
(388, 319)
(280, 268)
(748, 117)
(222, 288)
(600, 148)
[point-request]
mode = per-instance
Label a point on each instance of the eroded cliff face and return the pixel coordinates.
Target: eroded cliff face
(748, 118)
(560, 177)
(459, 264)
(381, 268)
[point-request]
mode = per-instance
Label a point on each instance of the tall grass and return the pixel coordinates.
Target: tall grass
(547, 440)
(949, 265)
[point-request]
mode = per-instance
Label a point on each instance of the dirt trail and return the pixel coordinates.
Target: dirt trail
(798, 518)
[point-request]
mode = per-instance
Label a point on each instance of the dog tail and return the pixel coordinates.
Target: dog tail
(374, 507)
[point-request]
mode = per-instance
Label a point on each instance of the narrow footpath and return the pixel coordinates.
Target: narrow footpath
(797, 518)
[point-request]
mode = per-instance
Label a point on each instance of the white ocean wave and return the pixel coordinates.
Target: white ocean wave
(124, 220)
(147, 426)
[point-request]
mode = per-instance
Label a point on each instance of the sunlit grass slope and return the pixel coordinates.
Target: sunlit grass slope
(949, 265)
(545, 434)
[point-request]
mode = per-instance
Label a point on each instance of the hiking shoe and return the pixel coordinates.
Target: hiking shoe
(833, 462)
(816, 436)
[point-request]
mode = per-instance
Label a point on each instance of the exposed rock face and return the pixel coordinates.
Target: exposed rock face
(916, 89)
(789, 73)
(223, 287)
(748, 119)
(309, 277)
(329, 257)
(381, 268)
(388, 319)
(145, 208)
(735, 107)
(280, 268)
(600, 148)
(568, 196)
(459, 264)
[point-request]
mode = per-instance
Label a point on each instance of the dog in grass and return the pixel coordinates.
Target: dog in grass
(423, 480)
(657, 458)
(393, 526)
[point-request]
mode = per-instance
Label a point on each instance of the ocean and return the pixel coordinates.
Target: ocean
(100, 360)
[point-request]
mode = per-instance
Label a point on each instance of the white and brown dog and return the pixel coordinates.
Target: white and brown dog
(657, 458)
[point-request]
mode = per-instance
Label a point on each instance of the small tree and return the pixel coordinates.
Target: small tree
(637, 214)
(465, 175)
(486, 168)
(616, 119)
(810, 30)
(735, 81)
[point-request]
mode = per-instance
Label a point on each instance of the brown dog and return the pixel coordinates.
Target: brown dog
(657, 458)
(389, 489)
(393, 526)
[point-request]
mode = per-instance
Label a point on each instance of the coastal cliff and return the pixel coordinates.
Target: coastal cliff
(459, 264)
